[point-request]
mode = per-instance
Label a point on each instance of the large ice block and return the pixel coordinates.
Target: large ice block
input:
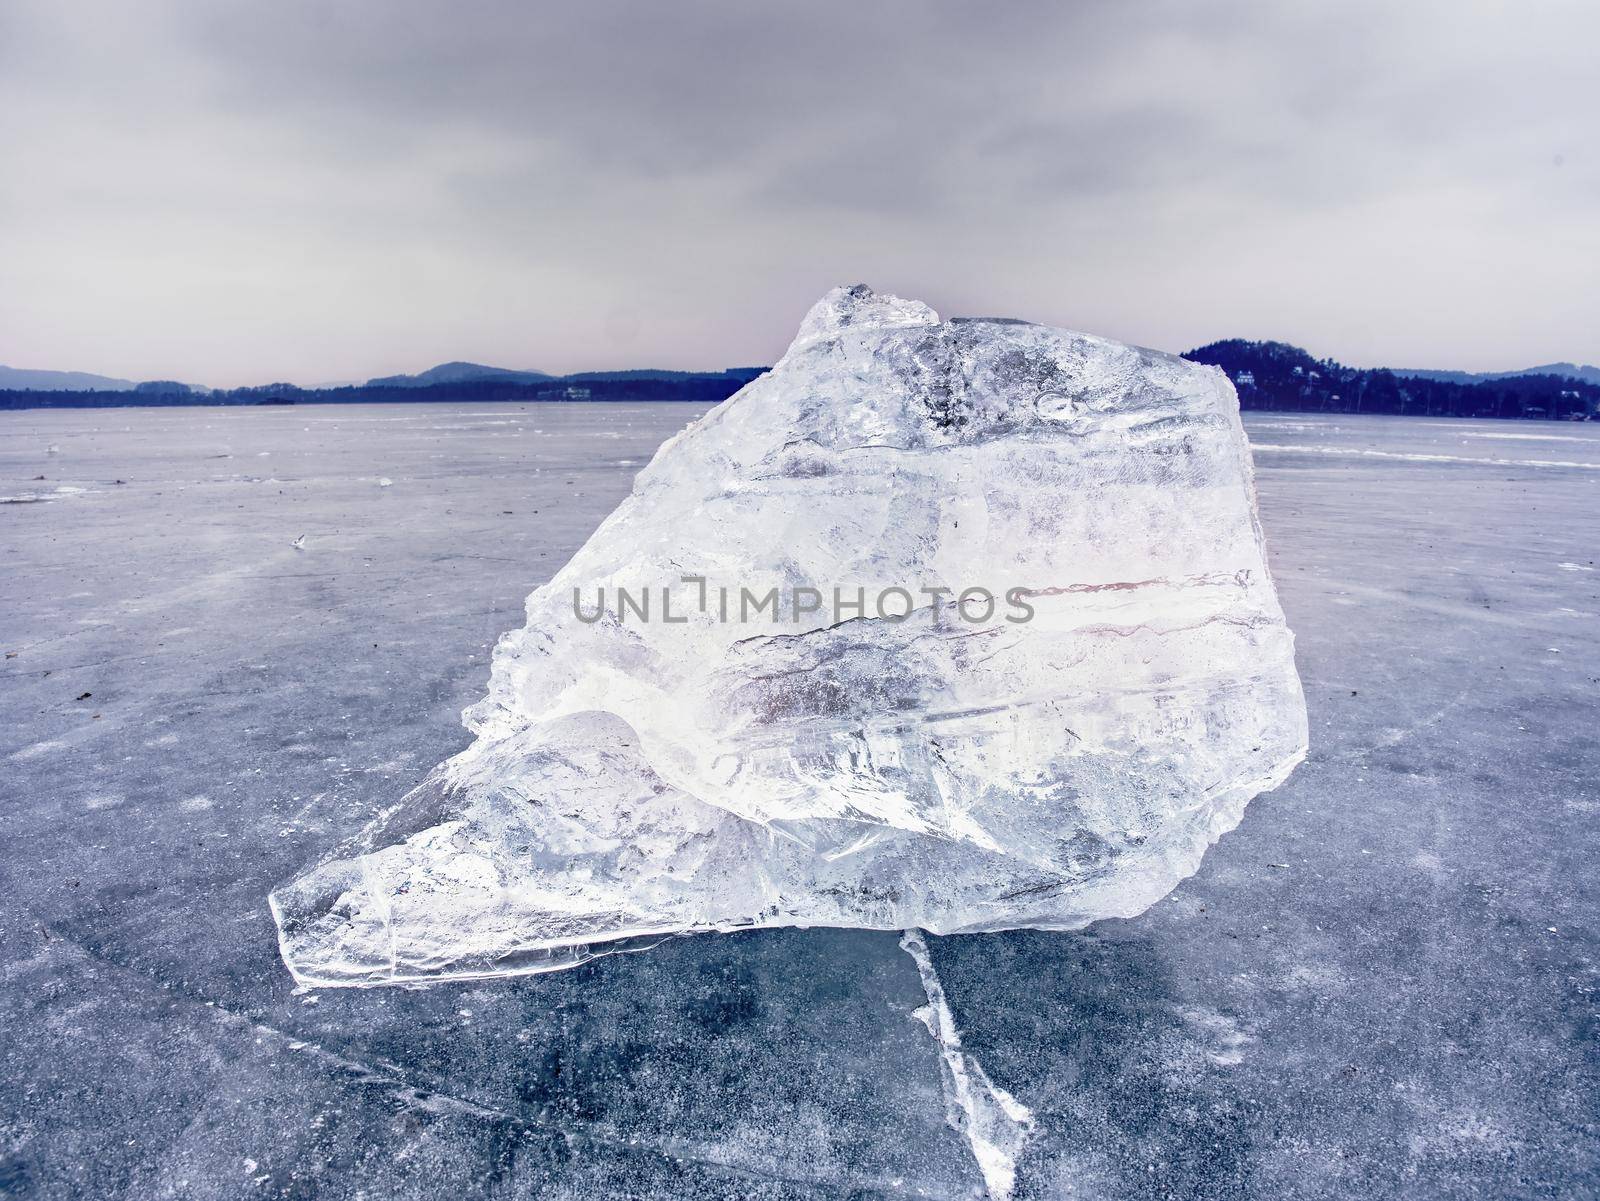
(769, 690)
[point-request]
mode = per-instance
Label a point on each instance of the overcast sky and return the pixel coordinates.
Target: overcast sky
(236, 193)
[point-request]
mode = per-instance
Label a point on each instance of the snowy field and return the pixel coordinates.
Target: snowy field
(1383, 984)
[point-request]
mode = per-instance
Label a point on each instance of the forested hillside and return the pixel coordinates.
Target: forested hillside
(1277, 376)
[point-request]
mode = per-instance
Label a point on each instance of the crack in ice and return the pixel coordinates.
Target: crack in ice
(994, 1123)
(1354, 452)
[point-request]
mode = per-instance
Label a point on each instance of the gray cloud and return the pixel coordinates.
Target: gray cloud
(236, 191)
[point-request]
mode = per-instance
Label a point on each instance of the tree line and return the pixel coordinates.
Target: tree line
(700, 388)
(1275, 376)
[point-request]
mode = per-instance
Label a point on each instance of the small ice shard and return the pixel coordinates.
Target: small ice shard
(1067, 756)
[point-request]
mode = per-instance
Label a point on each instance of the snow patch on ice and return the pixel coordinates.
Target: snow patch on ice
(38, 496)
(1225, 1040)
(1533, 437)
(48, 746)
(1360, 452)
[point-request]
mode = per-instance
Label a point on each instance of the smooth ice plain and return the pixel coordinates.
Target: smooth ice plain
(1381, 984)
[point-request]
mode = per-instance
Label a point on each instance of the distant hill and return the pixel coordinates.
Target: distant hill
(1586, 373)
(459, 373)
(466, 373)
(19, 379)
(1278, 376)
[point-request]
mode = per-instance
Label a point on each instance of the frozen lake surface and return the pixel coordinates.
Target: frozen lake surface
(1382, 984)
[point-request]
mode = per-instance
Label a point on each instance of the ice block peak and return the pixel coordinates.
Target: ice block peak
(858, 307)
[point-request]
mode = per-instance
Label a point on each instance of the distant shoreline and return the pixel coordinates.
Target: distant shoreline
(103, 400)
(1270, 377)
(692, 389)
(30, 402)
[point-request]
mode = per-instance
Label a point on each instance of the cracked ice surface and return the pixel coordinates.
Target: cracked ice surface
(632, 780)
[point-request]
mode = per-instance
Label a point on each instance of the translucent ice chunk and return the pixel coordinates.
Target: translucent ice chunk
(679, 765)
